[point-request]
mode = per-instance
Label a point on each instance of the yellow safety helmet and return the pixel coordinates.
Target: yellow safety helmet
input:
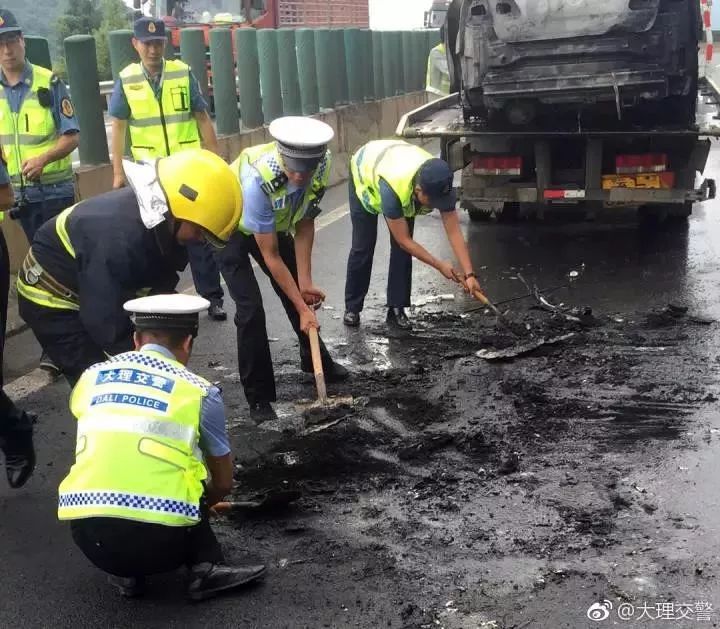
(201, 188)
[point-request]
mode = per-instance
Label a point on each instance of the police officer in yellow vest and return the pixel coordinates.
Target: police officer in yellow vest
(283, 183)
(38, 131)
(399, 181)
(161, 102)
(148, 432)
(438, 75)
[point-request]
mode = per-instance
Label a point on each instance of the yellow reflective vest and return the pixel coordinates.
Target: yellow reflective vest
(137, 453)
(32, 132)
(265, 159)
(397, 163)
(438, 76)
(164, 126)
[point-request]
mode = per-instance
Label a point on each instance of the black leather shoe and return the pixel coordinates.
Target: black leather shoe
(129, 587)
(216, 311)
(351, 319)
(209, 579)
(397, 318)
(334, 372)
(47, 364)
(17, 445)
(262, 412)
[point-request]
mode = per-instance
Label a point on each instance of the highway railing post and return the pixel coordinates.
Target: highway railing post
(222, 63)
(289, 80)
(269, 74)
(248, 71)
(307, 71)
(37, 51)
(81, 59)
(324, 63)
(193, 52)
(388, 61)
(354, 65)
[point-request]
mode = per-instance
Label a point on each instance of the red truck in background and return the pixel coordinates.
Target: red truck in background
(207, 14)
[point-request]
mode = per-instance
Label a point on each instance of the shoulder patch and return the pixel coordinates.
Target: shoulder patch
(67, 108)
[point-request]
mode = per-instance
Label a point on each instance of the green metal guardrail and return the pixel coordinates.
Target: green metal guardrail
(256, 76)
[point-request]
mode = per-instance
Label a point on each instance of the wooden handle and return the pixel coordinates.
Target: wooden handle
(317, 365)
(480, 296)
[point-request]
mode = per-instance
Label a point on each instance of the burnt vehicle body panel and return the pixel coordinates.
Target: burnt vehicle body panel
(517, 56)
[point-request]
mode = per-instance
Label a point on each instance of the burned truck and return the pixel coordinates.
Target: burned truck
(587, 104)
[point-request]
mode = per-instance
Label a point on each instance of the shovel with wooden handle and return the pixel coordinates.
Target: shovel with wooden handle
(324, 409)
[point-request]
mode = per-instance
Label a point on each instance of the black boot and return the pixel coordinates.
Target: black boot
(334, 372)
(17, 445)
(262, 412)
(351, 319)
(397, 318)
(209, 579)
(216, 311)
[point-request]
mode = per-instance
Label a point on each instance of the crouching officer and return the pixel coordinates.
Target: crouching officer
(283, 183)
(400, 181)
(85, 264)
(138, 494)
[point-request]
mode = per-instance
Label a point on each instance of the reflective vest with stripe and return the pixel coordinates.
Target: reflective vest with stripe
(40, 296)
(438, 76)
(160, 127)
(396, 163)
(31, 132)
(137, 452)
(265, 159)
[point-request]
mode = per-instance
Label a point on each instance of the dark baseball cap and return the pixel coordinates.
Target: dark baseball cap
(148, 29)
(8, 23)
(436, 180)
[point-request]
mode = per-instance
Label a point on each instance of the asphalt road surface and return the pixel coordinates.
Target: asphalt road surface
(459, 493)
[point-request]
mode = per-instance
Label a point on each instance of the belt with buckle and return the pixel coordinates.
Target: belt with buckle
(35, 275)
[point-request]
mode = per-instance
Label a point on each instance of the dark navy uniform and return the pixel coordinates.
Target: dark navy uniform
(116, 258)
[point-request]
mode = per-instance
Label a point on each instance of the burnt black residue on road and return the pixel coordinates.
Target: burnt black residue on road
(479, 492)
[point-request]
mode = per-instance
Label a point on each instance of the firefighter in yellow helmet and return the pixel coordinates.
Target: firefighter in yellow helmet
(86, 263)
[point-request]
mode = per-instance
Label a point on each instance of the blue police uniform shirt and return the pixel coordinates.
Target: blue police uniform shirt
(119, 108)
(258, 215)
(213, 432)
(391, 207)
(4, 175)
(35, 192)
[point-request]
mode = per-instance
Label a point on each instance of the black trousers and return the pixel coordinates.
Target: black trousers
(135, 549)
(254, 360)
(63, 337)
(205, 271)
(11, 417)
(360, 260)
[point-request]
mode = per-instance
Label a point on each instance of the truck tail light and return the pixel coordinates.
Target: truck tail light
(497, 165)
(645, 163)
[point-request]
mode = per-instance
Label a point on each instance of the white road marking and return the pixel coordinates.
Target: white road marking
(38, 379)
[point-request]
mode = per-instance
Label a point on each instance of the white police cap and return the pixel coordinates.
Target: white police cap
(300, 137)
(167, 312)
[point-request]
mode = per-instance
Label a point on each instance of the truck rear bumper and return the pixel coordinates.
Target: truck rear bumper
(476, 198)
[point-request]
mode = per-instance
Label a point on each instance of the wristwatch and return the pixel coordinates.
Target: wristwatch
(469, 275)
